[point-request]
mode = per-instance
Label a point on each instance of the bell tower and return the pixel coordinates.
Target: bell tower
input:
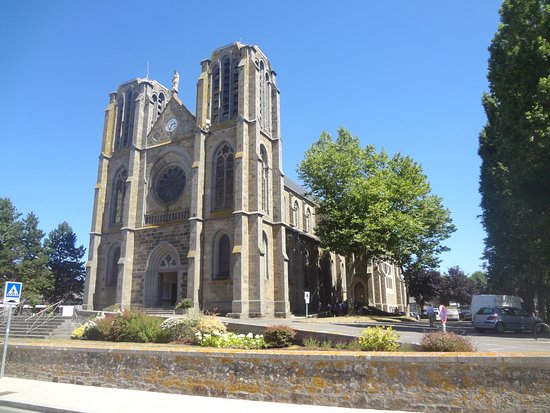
(241, 212)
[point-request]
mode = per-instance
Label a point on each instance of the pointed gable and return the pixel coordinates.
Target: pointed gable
(175, 122)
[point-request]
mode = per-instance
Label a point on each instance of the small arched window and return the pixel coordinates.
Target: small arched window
(112, 270)
(264, 82)
(295, 214)
(308, 220)
(119, 194)
(223, 177)
(265, 259)
(118, 130)
(223, 257)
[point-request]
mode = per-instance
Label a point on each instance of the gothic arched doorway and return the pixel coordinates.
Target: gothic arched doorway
(162, 279)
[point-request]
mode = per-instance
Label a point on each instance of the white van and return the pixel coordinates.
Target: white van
(491, 300)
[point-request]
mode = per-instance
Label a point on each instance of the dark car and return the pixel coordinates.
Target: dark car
(500, 319)
(465, 315)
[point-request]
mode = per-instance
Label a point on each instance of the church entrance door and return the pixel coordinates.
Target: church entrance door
(168, 289)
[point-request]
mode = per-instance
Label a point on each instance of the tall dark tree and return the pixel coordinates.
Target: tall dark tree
(456, 287)
(10, 237)
(515, 152)
(32, 269)
(65, 262)
(424, 285)
(22, 257)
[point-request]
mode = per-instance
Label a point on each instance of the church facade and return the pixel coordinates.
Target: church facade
(197, 205)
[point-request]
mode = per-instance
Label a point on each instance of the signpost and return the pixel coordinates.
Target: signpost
(306, 299)
(443, 316)
(12, 295)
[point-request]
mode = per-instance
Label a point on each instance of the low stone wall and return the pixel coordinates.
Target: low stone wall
(430, 382)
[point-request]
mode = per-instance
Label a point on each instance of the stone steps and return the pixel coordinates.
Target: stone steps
(21, 327)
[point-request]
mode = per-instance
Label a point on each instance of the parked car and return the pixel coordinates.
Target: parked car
(452, 314)
(501, 318)
(465, 315)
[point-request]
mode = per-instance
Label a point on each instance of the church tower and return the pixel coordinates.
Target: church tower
(238, 106)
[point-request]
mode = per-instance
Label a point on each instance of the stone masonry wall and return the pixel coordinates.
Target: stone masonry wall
(428, 382)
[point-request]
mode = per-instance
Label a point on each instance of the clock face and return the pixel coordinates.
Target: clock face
(171, 125)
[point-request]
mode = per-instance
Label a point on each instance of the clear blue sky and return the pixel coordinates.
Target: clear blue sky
(404, 75)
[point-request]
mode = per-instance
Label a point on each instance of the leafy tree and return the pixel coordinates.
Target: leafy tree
(424, 285)
(479, 278)
(64, 261)
(456, 287)
(374, 205)
(21, 254)
(32, 269)
(515, 152)
(10, 235)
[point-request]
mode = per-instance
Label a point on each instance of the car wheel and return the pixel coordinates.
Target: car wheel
(480, 330)
(499, 328)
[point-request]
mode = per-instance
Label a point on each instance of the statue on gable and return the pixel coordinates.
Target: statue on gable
(175, 81)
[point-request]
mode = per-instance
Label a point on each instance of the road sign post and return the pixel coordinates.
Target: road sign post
(443, 316)
(12, 295)
(306, 299)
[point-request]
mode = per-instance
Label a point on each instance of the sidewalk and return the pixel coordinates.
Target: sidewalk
(49, 397)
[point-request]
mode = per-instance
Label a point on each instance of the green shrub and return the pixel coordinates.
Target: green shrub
(440, 341)
(279, 336)
(97, 328)
(311, 343)
(354, 345)
(184, 303)
(379, 339)
(137, 327)
(181, 329)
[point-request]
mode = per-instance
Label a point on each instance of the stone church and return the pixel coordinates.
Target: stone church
(197, 205)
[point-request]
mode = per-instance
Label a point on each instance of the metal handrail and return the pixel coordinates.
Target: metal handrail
(42, 317)
(16, 310)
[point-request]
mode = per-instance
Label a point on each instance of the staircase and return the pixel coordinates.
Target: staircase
(21, 327)
(159, 311)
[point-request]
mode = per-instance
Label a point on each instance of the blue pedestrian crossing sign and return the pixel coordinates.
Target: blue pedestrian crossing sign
(12, 293)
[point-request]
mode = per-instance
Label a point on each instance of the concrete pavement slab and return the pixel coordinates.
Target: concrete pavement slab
(49, 397)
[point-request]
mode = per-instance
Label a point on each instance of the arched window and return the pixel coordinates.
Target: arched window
(234, 87)
(225, 89)
(223, 177)
(295, 213)
(157, 106)
(120, 112)
(308, 220)
(264, 82)
(119, 194)
(387, 270)
(266, 256)
(112, 271)
(223, 258)
(128, 123)
(265, 179)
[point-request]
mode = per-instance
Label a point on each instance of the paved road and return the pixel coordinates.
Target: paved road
(412, 332)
